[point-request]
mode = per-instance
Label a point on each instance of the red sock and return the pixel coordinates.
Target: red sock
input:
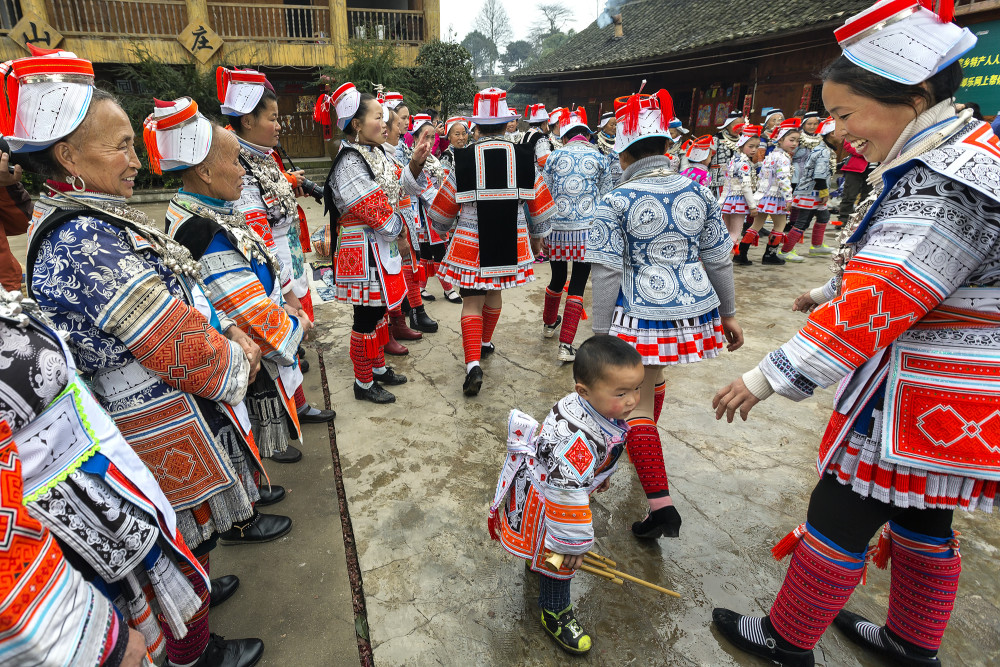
(412, 287)
(658, 392)
(571, 318)
(819, 231)
(791, 239)
(922, 590)
(642, 442)
(194, 643)
(819, 581)
(472, 337)
(307, 305)
(776, 238)
(551, 309)
(428, 267)
(359, 357)
(430, 270)
(300, 398)
(751, 237)
(490, 318)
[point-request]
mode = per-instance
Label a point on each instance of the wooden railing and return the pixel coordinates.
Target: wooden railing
(268, 22)
(397, 26)
(10, 14)
(963, 7)
(118, 18)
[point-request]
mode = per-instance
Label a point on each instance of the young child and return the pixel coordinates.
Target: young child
(699, 153)
(774, 193)
(548, 478)
(727, 138)
(737, 198)
(812, 194)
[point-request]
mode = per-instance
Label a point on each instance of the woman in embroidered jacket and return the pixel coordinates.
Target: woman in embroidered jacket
(674, 300)
(364, 187)
(84, 483)
(911, 330)
(142, 331)
(577, 176)
(485, 259)
(268, 204)
(242, 277)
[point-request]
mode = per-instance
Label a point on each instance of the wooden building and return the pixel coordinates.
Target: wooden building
(712, 57)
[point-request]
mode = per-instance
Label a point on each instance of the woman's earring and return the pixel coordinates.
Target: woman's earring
(74, 180)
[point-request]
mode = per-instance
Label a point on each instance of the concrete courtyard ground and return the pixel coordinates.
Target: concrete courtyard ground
(418, 476)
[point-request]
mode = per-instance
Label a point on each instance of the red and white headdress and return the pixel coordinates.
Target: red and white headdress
(176, 135)
(536, 113)
(239, 90)
(48, 94)
(393, 99)
(346, 101)
(641, 116)
(700, 149)
(748, 132)
(489, 107)
(786, 126)
(452, 121)
(419, 120)
(570, 118)
(904, 40)
(826, 126)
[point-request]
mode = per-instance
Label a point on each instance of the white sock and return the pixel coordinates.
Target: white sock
(178, 664)
(308, 410)
(379, 371)
(469, 366)
(364, 385)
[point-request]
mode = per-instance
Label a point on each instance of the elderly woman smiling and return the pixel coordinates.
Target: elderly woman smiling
(144, 335)
(911, 329)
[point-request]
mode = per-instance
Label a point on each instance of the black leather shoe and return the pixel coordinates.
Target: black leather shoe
(473, 381)
(301, 352)
(222, 652)
(290, 455)
(665, 522)
(390, 377)
(486, 350)
(259, 529)
(321, 417)
(271, 495)
(752, 635)
(375, 393)
(421, 321)
(223, 589)
(876, 638)
(303, 365)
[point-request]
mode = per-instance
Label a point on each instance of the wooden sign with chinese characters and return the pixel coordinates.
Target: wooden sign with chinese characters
(33, 30)
(200, 40)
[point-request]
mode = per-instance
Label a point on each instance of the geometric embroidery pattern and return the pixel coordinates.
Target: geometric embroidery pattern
(577, 455)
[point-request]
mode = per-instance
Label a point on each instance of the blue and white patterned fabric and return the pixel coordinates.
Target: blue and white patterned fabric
(577, 175)
(667, 234)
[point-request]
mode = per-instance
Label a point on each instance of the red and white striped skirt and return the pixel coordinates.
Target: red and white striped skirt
(569, 246)
(670, 342)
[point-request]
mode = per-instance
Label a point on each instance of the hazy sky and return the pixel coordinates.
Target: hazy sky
(461, 14)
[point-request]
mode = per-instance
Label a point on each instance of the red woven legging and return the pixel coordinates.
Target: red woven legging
(490, 318)
(646, 453)
(472, 337)
(189, 649)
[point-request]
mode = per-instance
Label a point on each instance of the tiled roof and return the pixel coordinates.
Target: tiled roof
(655, 29)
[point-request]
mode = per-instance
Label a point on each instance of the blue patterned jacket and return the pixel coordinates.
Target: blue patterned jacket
(577, 175)
(666, 233)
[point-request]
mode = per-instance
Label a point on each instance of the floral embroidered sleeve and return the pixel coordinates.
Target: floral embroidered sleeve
(85, 266)
(358, 193)
(540, 210)
(745, 173)
(912, 259)
(783, 170)
(716, 252)
(444, 209)
(606, 239)
(251, 204)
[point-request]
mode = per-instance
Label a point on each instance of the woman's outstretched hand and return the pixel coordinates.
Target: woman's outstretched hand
(732, 398)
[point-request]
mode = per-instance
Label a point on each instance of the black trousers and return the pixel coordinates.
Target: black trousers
(853, 183)
(366, 318)
(851, 520)
(578, 281)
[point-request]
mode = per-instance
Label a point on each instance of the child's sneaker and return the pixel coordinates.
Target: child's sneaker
(791, 256)
(820, 250)
(566, 630)
(566, 352)
(549, 330)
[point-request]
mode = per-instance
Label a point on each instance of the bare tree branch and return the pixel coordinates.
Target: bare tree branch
(493, 22)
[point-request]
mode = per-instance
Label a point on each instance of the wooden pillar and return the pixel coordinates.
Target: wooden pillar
(338, 29)
(198, 11)
(432, 20)
(36, 7)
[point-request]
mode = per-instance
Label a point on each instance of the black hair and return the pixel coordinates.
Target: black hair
(647, 147)
(597, 353)
(575, 132)
(432, 113)
(977, 112)
(363, 103)
(43, 162)
(942, 85)
(492, 128)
